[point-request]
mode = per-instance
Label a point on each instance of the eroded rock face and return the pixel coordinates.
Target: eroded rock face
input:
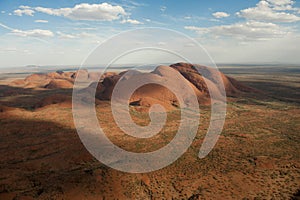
(52, 80)
(204, 81)
(40, 80)
(36, 81)
(199, 78)
(146, 95)
(106, 87)
(59, 84)
(59, 79)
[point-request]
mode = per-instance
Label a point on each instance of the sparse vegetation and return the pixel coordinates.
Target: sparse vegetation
(256, 157)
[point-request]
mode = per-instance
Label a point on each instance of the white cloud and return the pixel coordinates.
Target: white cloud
(52, 11)
(2, 12)
(281, 4)
(85, 28)
(131, 21)
(191, 18)
(251, 30)
(24, 11)
(195, 28)
(75, 36)
(130, 5)
(24, 7)
(269, 11)
(39, 33)
(85, 11)
(280, 50)
(41, 21)
(163, 8)
(220, 15)
(86, 35)
(65, 36)
(134, 3)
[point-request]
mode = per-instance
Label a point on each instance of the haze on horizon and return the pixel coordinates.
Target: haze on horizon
(65, 32)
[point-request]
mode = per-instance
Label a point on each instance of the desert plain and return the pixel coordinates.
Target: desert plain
(256, 157)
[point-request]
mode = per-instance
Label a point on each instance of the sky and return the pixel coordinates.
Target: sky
(64, 32)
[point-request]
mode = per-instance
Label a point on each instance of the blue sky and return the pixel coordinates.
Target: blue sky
(63, 32)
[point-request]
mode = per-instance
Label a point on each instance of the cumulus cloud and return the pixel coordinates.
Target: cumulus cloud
(65, 36)
(131, 21)
(24, 10)
(85, 11)
(251, 30)
(220, 15)
(36, 33)
(41, 21)
(75, 36)
(39, 33)
(163, 8)
(282, 4)
(270, 10)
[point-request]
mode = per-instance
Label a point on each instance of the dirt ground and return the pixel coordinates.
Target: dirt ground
(256, 157)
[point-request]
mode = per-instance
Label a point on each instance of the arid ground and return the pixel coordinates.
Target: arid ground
(256, 157)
